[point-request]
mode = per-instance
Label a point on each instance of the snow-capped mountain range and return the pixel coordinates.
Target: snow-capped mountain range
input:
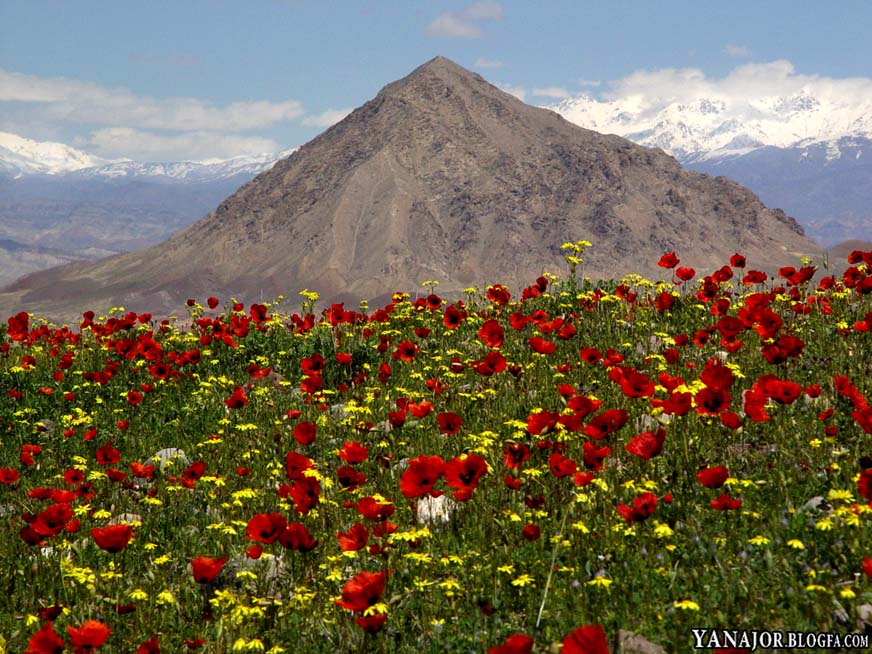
(714, 127)
(22, 157)
(808, 152)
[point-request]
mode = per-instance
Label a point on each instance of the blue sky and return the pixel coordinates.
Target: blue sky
(195, 78)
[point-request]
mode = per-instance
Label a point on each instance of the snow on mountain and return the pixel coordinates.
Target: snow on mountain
(201, 171)
(24, 157)
(707, 127)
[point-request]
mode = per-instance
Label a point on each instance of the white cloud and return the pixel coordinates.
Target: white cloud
(558, 92)
(518, 91)
(463, 24)
(326, 118)
(737, 50)
(483, 62)
(74, 101)
(141, 145)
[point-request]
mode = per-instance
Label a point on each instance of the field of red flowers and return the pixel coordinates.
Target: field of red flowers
(559, 464)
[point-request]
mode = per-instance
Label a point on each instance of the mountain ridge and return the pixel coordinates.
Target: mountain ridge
(21, 156)
(440, 175)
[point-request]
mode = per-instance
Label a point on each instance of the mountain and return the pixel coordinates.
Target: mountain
(802, 152)
(440, 176)
(825, 185)
(53, 197)
(21, 156)
(716, 126)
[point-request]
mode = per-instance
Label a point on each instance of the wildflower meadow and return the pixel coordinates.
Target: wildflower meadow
(534, 469)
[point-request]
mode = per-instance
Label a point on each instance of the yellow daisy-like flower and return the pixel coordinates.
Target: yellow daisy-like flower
(523, 580)
(602, 582)
(686, 605)
(796, 544)
(758, 540)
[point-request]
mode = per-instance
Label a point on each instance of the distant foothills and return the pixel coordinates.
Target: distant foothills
(59, 204)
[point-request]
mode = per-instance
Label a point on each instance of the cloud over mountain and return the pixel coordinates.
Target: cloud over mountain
(464, 24)
(146, 126)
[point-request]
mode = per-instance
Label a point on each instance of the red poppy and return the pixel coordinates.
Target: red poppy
(304, 433)
(353, 452)
(593, 456)
(421, 410)
(363, 590)
(463, 475)
(492, 363)
(113, 538)
(453, 317)
(531, 532)
(406, 351)
(737, 261)
(25, 456)
(633, 383)
(781, 390)
(51, 613)
(375, 510)
(643, 506)
(421, 476)
(491, 333)
(754, 404)
(541, 345)
(349, 478)
(8, 476)
(192, 474)
(449, 423)
(561, 466)
(45, 641)
(354, 539)
(89, 636)
(668, 260)
(296, 537)
(685, 274)
(371, 624)
(541, 422)
(590, 639)
(515, 454)
(647, 444)
(517, 321)
(606, 423)
(297, 464)
(731, 420)
(266, 527)
(713, 477)
(867, 566)
(514, 644)
(237, 399)
(864, 484)
(305, 493)
(150, 646)
(725, 503)
(582, 406)
(711, 401)
(206, 569)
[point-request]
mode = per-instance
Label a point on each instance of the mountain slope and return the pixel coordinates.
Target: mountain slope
(825, 185)
(440, 176)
